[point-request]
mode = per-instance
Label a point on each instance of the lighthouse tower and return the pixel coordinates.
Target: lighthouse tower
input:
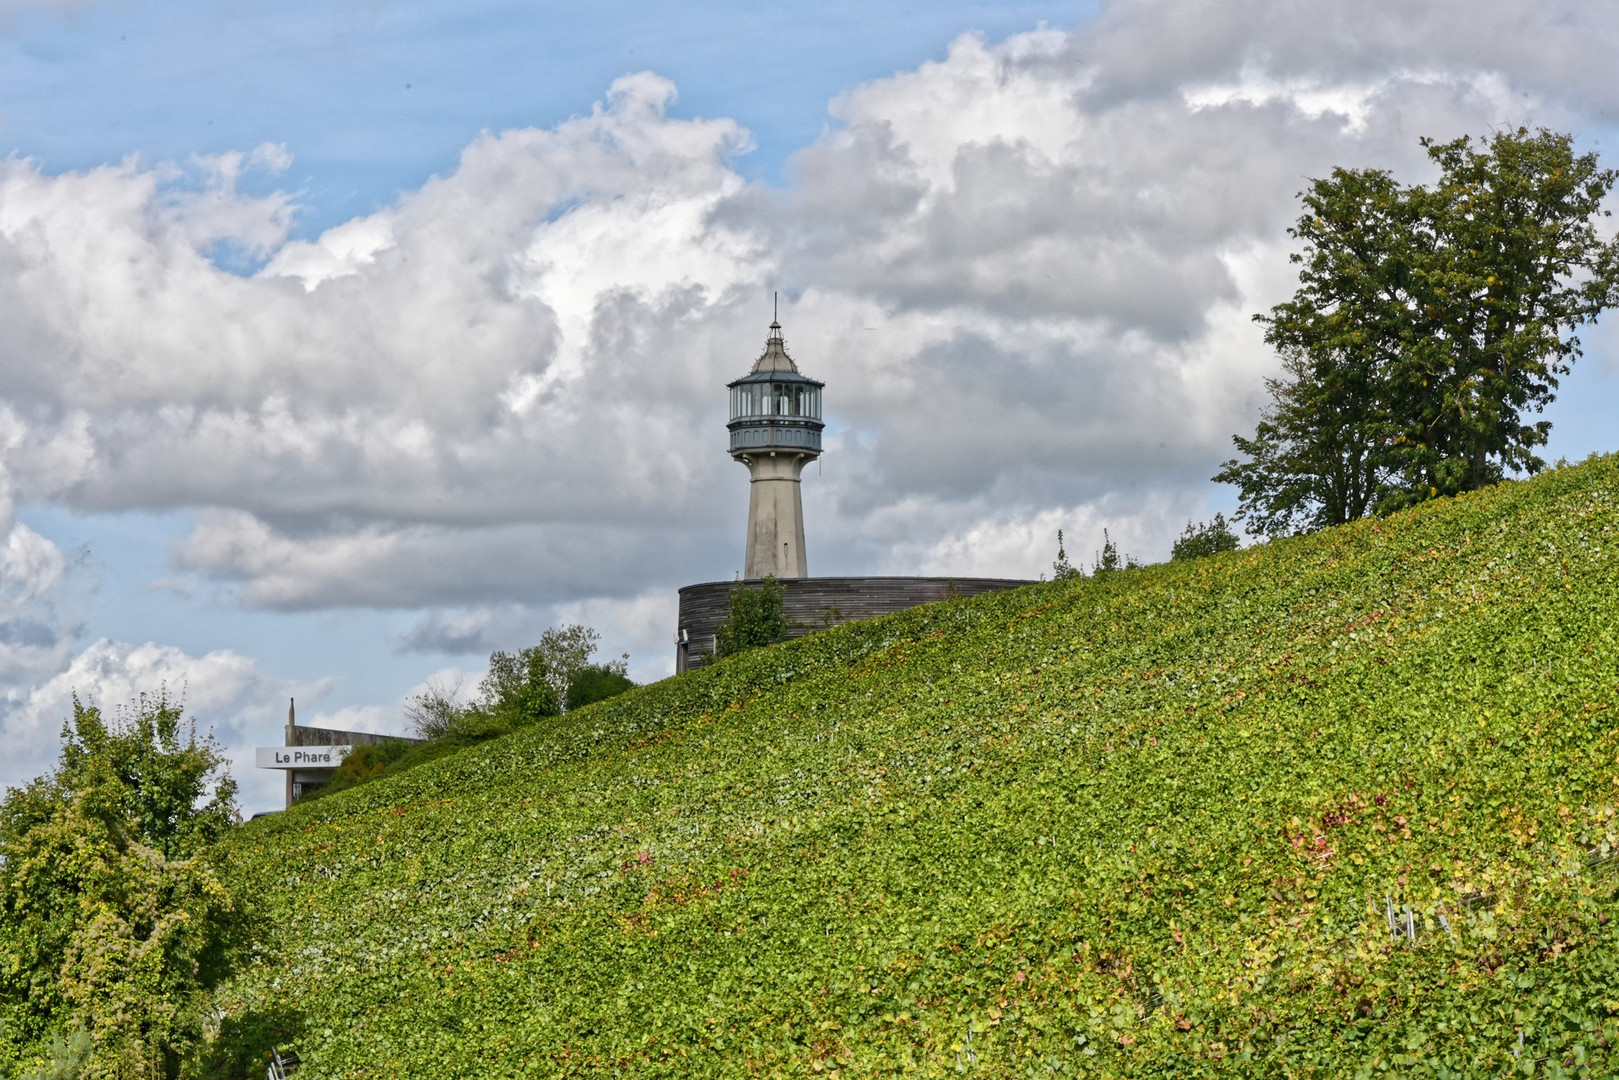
(775, 431)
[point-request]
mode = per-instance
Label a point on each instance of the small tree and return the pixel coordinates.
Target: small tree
(756, 618)
(1109, 559)
(598, 682)
(111, 921)
(436, 710)
(516, 689)
(564, 655)
(1209, 538)
(551, 677)
(1062, 569)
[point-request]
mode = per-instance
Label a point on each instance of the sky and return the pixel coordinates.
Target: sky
(342, 343)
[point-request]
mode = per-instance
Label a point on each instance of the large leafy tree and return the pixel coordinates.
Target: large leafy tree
(1429, 320)
(112, 923)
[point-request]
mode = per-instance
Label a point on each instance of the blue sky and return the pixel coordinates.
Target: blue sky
(341, 343)
(372, 98)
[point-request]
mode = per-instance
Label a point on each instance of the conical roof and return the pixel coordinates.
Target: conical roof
(775, 357)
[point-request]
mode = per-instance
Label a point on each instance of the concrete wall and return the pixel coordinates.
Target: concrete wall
(301, 781)
(812, 604)
(299, 735)
(775, 516)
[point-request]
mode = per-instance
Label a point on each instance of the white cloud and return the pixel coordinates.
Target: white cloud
(1025, 271)
(39, 610)
(225, 692)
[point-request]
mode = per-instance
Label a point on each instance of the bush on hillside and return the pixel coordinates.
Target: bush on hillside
(368, 760)
(435, 710)
(543, 679)
(597, 682)
(1203, 539)
(520, 689)
(756, 618)
(1109, 559)
(1062, 569)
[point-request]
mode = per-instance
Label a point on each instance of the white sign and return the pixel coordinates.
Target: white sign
(300, 757)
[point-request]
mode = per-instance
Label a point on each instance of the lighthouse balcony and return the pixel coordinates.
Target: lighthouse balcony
(803, 438)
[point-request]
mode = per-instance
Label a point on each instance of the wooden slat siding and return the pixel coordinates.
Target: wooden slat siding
(805, 602)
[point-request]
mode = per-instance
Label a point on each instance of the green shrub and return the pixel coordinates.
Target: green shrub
(1062, 569)
(365, 762)
(1109, 559)
(1203, 539)
(112, 922)
(597, 683)
(756, 618)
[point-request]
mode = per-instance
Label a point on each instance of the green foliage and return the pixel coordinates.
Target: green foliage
(110, 919)
(1141, 828)
(756, 618)
(436, 711)
(597, 682)
(366, 762)
(1204, 539)
(1427, 323)
(67, 1058)
(542, 679)
(175, 794)
(520, 688)
(1109, 559)
(1062, 569)
(516, 690)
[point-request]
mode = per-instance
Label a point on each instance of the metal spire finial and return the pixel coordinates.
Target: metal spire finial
(775, 356)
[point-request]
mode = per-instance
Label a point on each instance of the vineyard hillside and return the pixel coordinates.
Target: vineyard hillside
(1329, 806)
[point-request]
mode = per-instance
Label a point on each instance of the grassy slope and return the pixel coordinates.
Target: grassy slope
(1134, 825)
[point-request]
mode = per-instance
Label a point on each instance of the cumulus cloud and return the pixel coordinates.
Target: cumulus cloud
(1025, 271)
(40, 606)
(224, 691)
(638, 625)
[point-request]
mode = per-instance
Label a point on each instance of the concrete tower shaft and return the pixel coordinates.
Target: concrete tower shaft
(775, 517)
(775, 431)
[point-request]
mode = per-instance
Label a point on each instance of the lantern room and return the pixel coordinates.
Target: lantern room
(774, 408)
